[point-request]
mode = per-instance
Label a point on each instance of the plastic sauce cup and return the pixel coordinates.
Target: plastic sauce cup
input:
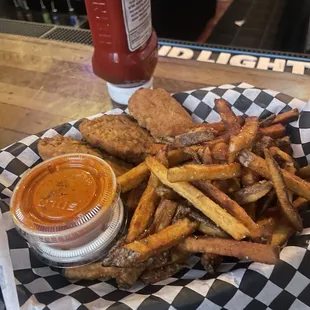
(68, 208)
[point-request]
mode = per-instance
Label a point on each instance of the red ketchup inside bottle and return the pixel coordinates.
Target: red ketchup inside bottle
(125, 45)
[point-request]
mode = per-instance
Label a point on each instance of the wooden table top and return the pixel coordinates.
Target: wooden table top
(45, 83)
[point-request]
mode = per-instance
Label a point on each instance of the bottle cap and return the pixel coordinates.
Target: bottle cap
(121, 95)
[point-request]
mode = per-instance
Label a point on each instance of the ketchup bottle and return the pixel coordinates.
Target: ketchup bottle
(125, 45)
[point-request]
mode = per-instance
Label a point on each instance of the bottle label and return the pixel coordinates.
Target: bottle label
(138, 22)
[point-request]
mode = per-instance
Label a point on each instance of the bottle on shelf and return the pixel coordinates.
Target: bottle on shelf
(125, 45)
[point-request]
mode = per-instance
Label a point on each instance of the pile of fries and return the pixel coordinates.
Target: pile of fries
(238, 195)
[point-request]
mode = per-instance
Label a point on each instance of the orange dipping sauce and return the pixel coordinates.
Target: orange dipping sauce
(64, 197)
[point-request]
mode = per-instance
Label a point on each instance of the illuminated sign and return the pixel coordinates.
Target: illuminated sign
(283, 64)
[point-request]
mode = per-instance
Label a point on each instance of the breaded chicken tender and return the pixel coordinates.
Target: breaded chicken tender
(118, 135)
(59, 145)
(159, 113)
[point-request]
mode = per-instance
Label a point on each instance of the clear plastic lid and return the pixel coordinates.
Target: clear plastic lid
(65, 201)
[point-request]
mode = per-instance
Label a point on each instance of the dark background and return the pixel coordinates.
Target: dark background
(282, 25)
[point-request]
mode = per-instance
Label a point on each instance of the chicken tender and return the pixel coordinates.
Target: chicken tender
(59, 145)
(118, 135)
(159, 113)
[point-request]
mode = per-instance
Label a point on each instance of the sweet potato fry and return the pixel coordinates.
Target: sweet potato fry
(253, 193)
(230, 120)
(220, 152)
(274, 131)
(304, 172)
(193, 137)
(211, 262)
(144, 211)
(282, 193)
(256, 252)
(161, 241)
(156, 275)
(194, 172)
(258, 164)
(133, 177)
(213, 211)
(249, 177)
(230, 206)
(243, 139)
(163, 216)
(135, 196)
(286, 117)
(205, 155)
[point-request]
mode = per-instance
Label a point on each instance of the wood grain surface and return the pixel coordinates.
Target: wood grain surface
(45, 83)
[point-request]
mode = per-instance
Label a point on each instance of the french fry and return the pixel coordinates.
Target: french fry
(178, 156)
(161, 241)
(230, 120)
(288, 163)
(243, 139)
(133, 177)
(267, 121)
(205, 155)
(281, 233)
(193, 137)
(230, 206)
(283, 230)
(144, 211)
(218, 126)
(257, 252)
(269, 199)
(284, 144)
(221, 138)
(261, 144)
(163, 216)
(213, 211)
(286, 117)
(193, 154)
(194, 172)
(258, 164)
(268, 226)
(304, 172)
(227, 186)
(167, 193)
(128, 276)
(287, 208)
(206, 226)
(220, 152)
(274, 131)
(156, 275)
(250, 209)
(253, 193)
(211, 262)
(135, 195)
(249, 177)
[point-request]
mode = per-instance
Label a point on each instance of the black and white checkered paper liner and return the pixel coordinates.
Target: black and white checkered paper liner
(237, 285)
